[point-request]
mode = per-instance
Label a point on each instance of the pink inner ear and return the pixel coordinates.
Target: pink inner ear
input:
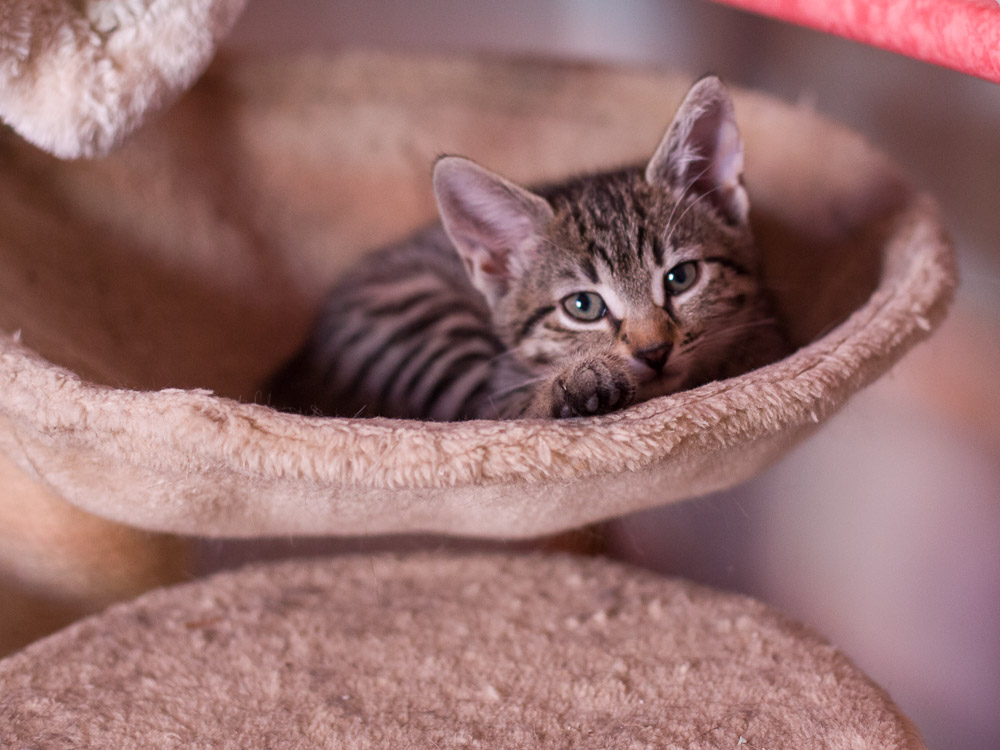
(728, 161)
(717, 167)
(495, 263)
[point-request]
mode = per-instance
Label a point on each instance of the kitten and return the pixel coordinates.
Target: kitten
(575, 299)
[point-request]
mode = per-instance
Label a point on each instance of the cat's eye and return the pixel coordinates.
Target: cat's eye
(681, 277)
(585, 306)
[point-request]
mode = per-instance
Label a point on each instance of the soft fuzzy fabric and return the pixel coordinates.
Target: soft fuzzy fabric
(475, 652)
(59, 563)
(76, 77)
(195, 256)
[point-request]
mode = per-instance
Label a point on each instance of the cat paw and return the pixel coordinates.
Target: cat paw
(594, 386)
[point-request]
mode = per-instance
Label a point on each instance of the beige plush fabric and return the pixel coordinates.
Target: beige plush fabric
(59, 563)
(76, 76)
(430, 651)
(194, 257)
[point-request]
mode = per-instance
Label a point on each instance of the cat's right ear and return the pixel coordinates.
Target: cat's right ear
(495, 225)
(702, 153)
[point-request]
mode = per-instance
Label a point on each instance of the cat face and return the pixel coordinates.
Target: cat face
(655, 264)
(664, 282)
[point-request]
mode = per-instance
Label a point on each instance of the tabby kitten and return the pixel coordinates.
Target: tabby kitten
(576, 299)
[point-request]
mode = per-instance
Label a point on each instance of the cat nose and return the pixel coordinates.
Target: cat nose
(655, 357)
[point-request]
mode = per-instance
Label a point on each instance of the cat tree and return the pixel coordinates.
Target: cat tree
(148, 292)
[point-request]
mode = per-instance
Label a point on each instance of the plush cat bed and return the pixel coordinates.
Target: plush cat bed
(147, 294)
(433, 651)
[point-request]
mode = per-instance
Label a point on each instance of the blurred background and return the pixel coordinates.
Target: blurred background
(883, 531)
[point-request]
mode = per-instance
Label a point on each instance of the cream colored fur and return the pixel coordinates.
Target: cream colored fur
(77, 77)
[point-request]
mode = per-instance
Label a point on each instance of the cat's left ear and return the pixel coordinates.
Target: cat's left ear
(702, 152)
(495, 225)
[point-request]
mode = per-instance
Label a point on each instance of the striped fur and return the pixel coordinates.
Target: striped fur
(404, 334)
(479, 317)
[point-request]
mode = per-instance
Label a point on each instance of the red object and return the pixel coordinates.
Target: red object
(959, 34)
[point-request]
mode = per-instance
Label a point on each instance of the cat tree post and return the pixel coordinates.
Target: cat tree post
(59, 563)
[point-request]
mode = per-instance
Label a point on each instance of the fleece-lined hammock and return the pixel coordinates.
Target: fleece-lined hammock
(146, 294)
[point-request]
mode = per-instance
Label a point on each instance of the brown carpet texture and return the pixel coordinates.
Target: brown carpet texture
(431, 651)
(145, 295)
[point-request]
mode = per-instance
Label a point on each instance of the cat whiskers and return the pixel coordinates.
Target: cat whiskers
(680, 218)
(687, 189)
(725, 335)
(550, 243)
(519, 386)
(500, 355)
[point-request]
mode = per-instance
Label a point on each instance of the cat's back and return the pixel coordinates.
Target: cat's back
(401, 334)
(426, 255)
